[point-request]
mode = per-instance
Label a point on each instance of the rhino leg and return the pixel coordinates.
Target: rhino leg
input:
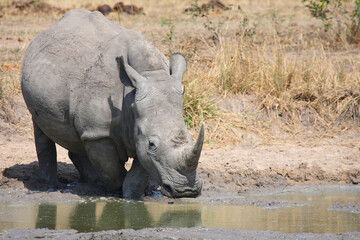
(85, 168)
(46, 153)
(135, 182)
(104, 156)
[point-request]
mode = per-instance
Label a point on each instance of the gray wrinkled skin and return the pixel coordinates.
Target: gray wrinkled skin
(106, 94)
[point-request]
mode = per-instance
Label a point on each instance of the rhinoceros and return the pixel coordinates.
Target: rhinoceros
(106, 94)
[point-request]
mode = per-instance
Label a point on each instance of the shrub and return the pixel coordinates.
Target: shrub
(338, 15)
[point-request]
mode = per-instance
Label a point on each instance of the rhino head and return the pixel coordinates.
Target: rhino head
(164, 147)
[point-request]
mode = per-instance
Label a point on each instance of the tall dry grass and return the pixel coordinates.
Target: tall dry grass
(285, 83)
(316, 81)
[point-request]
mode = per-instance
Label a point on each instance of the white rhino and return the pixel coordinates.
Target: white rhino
(106, 94)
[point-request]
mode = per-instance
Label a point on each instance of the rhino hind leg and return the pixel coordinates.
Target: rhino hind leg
(46, 153)
(104, 156)
(86, 170)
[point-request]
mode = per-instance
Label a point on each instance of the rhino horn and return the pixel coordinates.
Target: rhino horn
(192, 154)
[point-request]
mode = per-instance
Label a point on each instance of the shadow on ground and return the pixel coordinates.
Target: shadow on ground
(26, 176)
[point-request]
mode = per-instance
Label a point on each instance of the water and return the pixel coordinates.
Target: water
(306, 209)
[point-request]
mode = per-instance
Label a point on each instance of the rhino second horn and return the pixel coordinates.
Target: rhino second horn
(193, 154)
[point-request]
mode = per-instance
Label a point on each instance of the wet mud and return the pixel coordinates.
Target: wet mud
(352, 207)
(172, 233)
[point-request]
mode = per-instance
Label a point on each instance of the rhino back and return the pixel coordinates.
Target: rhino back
(54, 68)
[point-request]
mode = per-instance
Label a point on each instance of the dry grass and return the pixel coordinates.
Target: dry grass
(273, 50)
(9, 82)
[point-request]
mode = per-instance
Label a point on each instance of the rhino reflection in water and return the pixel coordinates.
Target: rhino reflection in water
(106, 94)
(99, 216)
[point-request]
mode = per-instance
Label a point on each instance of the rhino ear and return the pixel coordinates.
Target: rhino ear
(177, 66)
(137, 81)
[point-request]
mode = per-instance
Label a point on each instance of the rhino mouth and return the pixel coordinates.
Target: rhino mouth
(170, 192)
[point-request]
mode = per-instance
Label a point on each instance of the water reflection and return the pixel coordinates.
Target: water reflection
(46, 216)
(312, 215)
(101, 215)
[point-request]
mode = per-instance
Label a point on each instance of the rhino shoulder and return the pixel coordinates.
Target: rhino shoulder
(96, 118)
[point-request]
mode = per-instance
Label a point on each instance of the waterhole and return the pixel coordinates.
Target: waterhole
(300, 209)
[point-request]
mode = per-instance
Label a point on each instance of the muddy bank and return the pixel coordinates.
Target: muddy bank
(240, 168)
(220, 175)
(230, 169)
(171, 233)
(353, 207)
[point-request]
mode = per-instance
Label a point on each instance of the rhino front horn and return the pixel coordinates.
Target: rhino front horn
(193, 156)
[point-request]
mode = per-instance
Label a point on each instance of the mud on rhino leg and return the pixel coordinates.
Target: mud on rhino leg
(46, 153)
(135, 182)
(103, 155)
(85, 168)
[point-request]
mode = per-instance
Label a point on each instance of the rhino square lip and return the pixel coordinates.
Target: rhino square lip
(167, 191)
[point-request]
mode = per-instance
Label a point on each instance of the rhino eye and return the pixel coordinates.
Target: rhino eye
(153, 143)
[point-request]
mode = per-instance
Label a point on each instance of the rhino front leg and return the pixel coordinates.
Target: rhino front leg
(46, 153)
(135, 182)
(86, 170)
(103, 155)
